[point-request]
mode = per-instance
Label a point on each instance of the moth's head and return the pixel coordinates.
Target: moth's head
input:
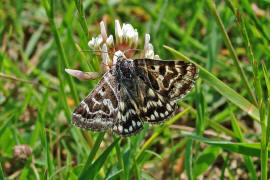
(118, 57)
(123, 66)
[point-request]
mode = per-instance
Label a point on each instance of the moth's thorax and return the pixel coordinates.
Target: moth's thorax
(124, 68)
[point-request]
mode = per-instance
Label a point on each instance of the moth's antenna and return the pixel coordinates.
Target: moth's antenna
(105, 64)
(132, 49)
(99, 51)
(96, 51)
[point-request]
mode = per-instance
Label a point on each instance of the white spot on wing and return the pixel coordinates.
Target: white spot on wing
(156, 114)
(95, 101)
(133, 111)
(124, 118)
(122, 105)
(159, 102)
(161, 77)
(162, 115)
(119, 115)
(169, 107)
(151, 92)
(120, 128)
(85, 106)
(105, 102)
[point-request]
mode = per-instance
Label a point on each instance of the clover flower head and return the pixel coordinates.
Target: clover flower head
(22, 152)
(125, 43)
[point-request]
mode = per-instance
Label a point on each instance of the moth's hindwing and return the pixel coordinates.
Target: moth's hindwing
(128, 116)
(99, 109)
(154, 108)
(171, 79)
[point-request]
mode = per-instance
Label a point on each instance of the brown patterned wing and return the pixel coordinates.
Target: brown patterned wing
(98, 111)
(128, 116)
(172, 79)
(154, 108)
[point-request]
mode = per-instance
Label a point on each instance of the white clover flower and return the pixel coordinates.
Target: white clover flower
(126, 42)
(95, 43)
(118, 32)
(106, 61)
(103, 31)
(149, 51)
(109, 41)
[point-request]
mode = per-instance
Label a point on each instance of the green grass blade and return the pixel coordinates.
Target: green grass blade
(120, 161)
(206, 158)
(246, 5)
(188, 158)
(1, 172)
(250, 149)
(33, 41)
(248, 160)
(82, 20)
(236, 127)
(92, 154)
(264, 151)
(232, 50)
(148, 143)
(177, 30)
(267, 82)
(266, 78)
(114, 175)
(26, 169)
(268, 124)
(50, 13)
(92, 171)
(6, 124)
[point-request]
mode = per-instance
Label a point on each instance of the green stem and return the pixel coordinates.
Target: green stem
(175, 29)
(155, 135)
(232, 51)
(92, 154)
(82, 19)
(264, 152)
(120, 160)
(49, 11)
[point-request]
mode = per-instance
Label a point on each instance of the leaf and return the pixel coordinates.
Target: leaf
(5, 125)
(1, 172)
(93, 152)
(91, 171)
(115, 174)
(188, 158)
(26, 169)
(250, 149)
(207, 157)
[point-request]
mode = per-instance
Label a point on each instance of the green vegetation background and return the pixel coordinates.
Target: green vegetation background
(223, 120)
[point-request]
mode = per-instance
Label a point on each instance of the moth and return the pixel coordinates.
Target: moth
(134, 92)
